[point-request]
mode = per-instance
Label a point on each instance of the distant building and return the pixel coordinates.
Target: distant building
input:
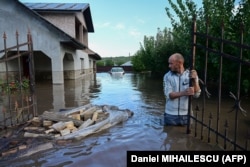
(128, 66)
(60, 38)
(128, 63)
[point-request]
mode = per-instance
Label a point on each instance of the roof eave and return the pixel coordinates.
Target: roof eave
(73, 44)
(88, 18)
(85, 11)
(95, 56)
(92, 54)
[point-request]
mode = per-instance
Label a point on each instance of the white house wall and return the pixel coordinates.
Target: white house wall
(72, 63)
(83, 29)
(46, 41)
(67, 23)
(64, 21)
(81, 19)
(87, 69)
(81, 54)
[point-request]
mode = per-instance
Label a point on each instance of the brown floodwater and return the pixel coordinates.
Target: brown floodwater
(139, 93)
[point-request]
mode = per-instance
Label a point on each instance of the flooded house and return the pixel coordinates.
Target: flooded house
(60, 39)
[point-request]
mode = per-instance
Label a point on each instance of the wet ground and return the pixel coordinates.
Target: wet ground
(144, 131)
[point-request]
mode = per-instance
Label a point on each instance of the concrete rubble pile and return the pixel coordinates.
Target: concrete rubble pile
(68, 124)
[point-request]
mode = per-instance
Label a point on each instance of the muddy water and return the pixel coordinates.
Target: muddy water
(144, 131)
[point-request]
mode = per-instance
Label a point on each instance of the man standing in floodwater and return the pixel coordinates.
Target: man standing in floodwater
(177, 90)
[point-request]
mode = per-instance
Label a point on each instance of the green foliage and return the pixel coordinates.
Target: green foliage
(137, 62)
(111, 61)
(14, 86)
(246, 85)
(100, 63)
(154, 51)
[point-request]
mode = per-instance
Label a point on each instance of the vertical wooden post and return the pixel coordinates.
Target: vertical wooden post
(32, 72)
(192, 64)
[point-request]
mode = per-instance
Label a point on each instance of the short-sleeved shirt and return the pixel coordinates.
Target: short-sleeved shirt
(174, 82)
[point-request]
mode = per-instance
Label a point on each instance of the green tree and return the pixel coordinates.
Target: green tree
(154, 51)
(109, 62)
(138, 65)
(217, 14)
(100, 63)
(143, 59)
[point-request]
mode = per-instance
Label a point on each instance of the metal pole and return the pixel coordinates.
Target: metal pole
(238, 87)
(7, 78)
(192, 64)
(32, 72)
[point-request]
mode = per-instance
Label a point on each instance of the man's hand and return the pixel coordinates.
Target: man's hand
(195, 83)
(193, 74)
(189, 91)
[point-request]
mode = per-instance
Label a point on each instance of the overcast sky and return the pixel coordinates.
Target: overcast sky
(120, 25)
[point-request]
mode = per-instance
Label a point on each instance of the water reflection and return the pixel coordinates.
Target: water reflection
(58, 97)
(140, 93)
(130, 91)
(72, 93)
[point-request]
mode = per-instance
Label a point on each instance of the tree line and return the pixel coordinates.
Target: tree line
(113, 61)
(155, 50)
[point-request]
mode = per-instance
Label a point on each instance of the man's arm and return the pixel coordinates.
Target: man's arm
(195, 83)
(191, 91)
(187, 92)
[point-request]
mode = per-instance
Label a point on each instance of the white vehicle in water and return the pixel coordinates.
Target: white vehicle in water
(117, 71)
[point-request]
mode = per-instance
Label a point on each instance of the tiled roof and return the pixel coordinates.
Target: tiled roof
(64, 7)
(58, 6)
(128, 63)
